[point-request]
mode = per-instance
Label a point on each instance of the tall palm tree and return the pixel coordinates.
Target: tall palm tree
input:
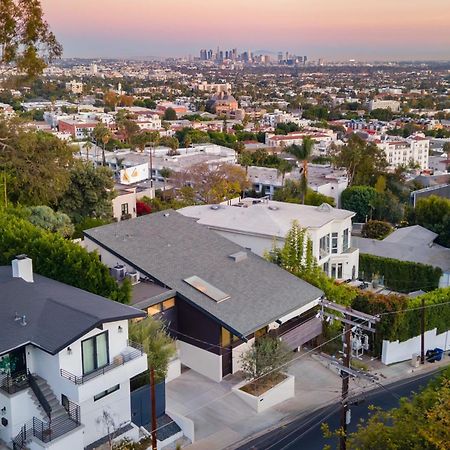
(283, 168)
(303, 153)
(88, 147)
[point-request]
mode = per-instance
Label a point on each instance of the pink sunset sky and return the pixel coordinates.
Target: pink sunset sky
(330, 29)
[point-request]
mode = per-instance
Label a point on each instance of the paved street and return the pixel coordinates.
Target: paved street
(305, 432)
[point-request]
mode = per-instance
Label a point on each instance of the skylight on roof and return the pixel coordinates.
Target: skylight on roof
(206, 288)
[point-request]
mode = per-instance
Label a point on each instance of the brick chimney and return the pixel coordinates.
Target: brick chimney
(22, 267)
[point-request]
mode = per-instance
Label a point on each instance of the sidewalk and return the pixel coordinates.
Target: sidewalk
(222, 419)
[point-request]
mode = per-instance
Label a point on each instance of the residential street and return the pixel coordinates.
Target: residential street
(305, 432)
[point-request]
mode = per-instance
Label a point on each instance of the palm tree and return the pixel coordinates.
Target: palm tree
(165, 172)
(88, 146)
(302, 153)
(283, 168)
(245, 160)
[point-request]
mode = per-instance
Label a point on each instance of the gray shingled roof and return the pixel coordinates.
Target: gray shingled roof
(170, 247)
(56, 314)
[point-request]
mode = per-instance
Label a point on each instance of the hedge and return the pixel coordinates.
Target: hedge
(400, 276)
(398, 325)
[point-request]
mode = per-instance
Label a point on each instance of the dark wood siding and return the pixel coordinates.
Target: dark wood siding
(196, 328)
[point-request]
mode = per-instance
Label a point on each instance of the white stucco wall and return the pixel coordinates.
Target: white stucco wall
(204, 362)
(393, 352)
(238, 352)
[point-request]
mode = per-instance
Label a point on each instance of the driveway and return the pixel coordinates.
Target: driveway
(222, 419)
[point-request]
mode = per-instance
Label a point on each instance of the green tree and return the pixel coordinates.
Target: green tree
(165, 172)
(264, 361)
(361, 200)
(434, 213)
(102, 135)
(160, 347)
(57, 222)
(89, 193)
(303, 153)
(35, 163)
(245, 160)
(58, 258)
(25, 37)
(422, 423)
(283, 168)
(364, 162)
(376, 229)
(382, 114)
(170, 114)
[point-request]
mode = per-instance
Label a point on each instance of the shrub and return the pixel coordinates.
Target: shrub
(376, 229)
(142, 209)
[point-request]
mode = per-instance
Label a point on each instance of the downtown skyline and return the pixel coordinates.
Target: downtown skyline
(335, 31)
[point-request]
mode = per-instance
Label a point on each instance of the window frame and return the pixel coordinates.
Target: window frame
(106, 392)
(94, 338)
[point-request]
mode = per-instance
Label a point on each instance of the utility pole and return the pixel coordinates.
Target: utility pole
(422, 333)
(153, 395)
(352, 320)
(345, 382)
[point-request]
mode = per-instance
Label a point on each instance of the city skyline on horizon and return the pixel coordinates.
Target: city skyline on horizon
(330, 30)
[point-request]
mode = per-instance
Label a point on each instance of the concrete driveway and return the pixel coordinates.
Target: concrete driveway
(222, 419)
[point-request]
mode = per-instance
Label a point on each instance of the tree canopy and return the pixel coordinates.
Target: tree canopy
(89, 192)
(35, 164)
(422, 423)
(25, 36)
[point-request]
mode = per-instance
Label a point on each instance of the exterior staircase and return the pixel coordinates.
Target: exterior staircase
(57, 410)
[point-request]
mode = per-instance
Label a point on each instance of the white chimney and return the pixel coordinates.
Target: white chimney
(22, 267)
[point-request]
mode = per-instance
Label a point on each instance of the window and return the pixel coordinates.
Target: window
(155, 309)
(124, 209)
(107, 392)
(334, 243)
(326, 268)
(336, 270)
(167, 304)
(346, 241)
(95, 353)
(324, 246)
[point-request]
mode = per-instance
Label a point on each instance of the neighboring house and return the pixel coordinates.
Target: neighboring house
(415, 244)
(322, 179)
(77, 128)
(393, 105)
(225, 297)
(442, 190)
(65, 362)
(257, 224)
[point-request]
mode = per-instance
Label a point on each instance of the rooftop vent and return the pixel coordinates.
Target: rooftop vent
(206, 288)
(239, 256)
(215, 207)
(22, 267)
(273, 208)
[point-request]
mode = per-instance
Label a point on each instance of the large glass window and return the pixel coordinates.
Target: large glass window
(346, 240)
(95, 353)
(324, 246)
(334, 243)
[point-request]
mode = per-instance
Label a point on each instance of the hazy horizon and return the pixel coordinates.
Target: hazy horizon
(334, 31)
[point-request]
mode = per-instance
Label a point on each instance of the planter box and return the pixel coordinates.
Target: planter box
(279, 393)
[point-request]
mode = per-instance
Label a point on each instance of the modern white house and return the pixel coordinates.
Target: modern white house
(65, 363)
(257, 224)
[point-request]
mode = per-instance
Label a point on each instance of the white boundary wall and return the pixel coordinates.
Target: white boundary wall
(396, 351)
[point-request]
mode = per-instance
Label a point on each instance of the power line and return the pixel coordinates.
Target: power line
(418, 308)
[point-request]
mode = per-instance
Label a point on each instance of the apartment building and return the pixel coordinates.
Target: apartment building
(65, 363)
(413, 150)
(393, 105)
(77, 128)
(75, 87)
(257, 224)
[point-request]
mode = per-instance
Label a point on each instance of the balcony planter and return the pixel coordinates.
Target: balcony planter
(284, 390)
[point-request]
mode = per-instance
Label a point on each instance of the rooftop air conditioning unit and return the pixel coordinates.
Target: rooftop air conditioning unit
(133, 277)
(118, 272)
